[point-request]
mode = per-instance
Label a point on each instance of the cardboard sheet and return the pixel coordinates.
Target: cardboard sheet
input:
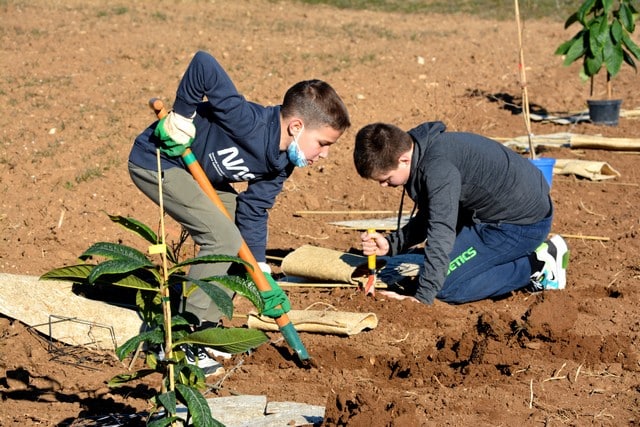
(54, 310)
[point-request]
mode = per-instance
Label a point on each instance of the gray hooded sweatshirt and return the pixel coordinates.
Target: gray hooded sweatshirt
(462, 178)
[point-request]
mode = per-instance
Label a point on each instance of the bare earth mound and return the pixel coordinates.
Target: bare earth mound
(76, 76)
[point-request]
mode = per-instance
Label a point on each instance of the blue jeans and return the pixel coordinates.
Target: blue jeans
(490, 260)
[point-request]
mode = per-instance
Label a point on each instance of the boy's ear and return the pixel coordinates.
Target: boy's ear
(405, 159)
(294, 124)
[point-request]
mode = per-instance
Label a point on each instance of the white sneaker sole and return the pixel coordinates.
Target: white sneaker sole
(217, 353)
(561, 259)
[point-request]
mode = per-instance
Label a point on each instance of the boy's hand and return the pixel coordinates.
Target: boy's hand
(374, 244)
(274, 298)
(397, 296)
(176, 133)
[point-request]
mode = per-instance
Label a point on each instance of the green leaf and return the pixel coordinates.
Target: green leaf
(583, 75)
(116, 266)
(80, 272)
(576, 50)
(180, 320)
(631, 46)
(626, 17)
(592, 65)
(121, 379)
(571, 20)
(584, 10)
(168, 401)
(179, 333)
(155, 336)
(629, 60)
(208, 259)
(230, 340)
(198, 407)
(245, 287)
(217, 295)
(613, 58)
(136, 227)
(565, 46)
(152, 359)
(134, 281)
(190, 375)
(598, 35)
(607, 5)
(150, 308)
(72, 273)
(616, 32)
(116, 251)
(142, 230)
(165, 422)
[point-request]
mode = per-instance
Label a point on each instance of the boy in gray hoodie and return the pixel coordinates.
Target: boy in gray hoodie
(483, 213)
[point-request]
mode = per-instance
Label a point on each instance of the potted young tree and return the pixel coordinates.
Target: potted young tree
(603, 42)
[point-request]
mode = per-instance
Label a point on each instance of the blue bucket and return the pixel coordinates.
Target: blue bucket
(545, 164)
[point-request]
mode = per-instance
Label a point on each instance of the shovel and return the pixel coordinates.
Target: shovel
(284, 324)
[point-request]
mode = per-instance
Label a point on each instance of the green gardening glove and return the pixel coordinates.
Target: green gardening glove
(176, 133)
(274, 298)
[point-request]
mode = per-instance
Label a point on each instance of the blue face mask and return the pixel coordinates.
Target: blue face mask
(295, 154)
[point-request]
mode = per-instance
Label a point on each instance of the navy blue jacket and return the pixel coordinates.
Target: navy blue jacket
(236, 140)
(459, 178)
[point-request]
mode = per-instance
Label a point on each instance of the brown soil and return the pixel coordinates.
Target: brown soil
(76, 76)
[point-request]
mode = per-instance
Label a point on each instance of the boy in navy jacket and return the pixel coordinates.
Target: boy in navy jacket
(234, 140)
(483, 213)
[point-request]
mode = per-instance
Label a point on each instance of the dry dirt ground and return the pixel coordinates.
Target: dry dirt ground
(75, 79)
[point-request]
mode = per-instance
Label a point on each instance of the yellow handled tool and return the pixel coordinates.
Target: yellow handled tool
(370, 287)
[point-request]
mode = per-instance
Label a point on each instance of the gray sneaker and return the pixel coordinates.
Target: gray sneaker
(196, 355)
(554, 253)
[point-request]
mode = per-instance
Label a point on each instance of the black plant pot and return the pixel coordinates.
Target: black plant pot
(604, 112)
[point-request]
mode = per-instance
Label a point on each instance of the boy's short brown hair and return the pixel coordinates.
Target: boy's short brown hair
(317, 104)
(378, 148)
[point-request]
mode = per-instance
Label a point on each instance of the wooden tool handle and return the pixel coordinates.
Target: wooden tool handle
(157, 106)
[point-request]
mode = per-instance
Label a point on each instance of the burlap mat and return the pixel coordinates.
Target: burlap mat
(593, 170)
(324, 264)
(319, 321)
